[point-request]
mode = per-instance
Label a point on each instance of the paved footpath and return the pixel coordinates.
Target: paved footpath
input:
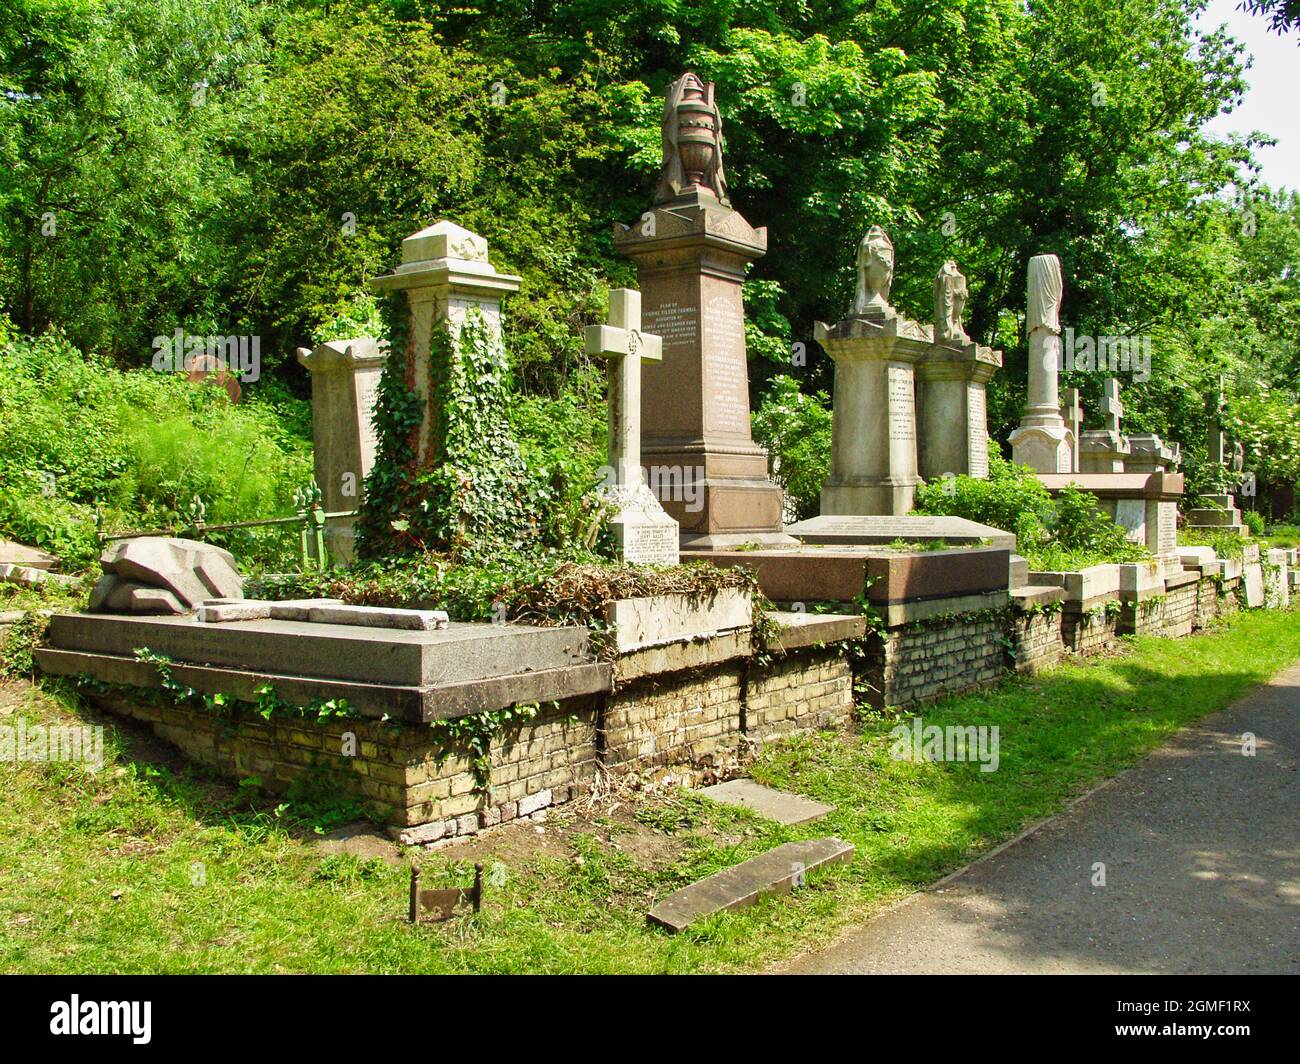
(1202, 853)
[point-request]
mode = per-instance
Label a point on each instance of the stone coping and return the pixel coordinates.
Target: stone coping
(798, 629)
(1160, 486)
(415, 704)
(1029, 595)
(881, 530)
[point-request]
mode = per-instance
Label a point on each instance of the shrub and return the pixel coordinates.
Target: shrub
(1067, 532)
(79, 436)
(796, 430)
(1254, 520)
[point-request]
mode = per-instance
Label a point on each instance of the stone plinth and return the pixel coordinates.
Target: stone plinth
(1148, 453)
(1145, 504)
(952, 417)
(696, 443)
(1217, 513)
(873, 437)
(344, 382)
(445, 274)
(1103, 451)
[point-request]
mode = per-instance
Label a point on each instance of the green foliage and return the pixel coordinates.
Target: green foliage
(795, 427)
(1067, 532)
(472, 493)
(77, 435)
(1253, 520)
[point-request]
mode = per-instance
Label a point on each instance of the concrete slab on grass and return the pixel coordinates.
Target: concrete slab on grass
(775, 872)
(776, 805)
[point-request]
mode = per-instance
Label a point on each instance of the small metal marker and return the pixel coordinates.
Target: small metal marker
(442, 903)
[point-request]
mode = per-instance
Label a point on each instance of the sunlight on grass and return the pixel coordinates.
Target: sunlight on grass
(138, 868)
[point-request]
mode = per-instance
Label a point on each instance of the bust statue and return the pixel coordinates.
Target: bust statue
(875, 274)
(692, 140)
(950, 294)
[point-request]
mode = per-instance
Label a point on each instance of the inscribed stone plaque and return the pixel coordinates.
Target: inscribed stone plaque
(977, 429)
(902, 403)
(726, 399)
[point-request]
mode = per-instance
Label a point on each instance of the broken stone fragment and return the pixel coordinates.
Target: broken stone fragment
(191, 571)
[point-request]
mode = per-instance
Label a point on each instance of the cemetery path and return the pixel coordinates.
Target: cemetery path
(1201, 847)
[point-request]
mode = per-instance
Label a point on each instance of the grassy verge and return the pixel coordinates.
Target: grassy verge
(149, 866)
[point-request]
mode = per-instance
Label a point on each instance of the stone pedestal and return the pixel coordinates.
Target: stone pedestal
(1103, 451)
(873, 437)
(953, 418)
(344, 381)
(1217, 513)
(696, 443)
(445, 274)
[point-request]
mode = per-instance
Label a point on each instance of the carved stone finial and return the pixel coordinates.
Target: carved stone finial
(692, 138)
(950, 295)
(875, 274)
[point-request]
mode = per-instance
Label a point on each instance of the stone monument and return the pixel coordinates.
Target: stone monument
(1148, 453)
(643, 531)
(445, 274)
(1042, 441)
(873, 428)
(1105, 450)
(952, 407)
(691, 250)
(1072, 413)
(344, 381)
(1218, 510)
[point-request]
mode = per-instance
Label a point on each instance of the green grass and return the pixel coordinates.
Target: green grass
(102, 872)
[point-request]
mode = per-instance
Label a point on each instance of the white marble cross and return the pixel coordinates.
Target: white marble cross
(1110, 404)
(1072, 411)
(625, 346)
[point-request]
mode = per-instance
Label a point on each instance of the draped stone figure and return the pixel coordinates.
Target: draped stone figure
(950, 295)
(875, 274)
(692, 141)
(1043, 308)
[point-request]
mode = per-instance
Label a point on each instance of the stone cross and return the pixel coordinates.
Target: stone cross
(643, 532)
(1072, 411)
(625, 346)
(1110, 404)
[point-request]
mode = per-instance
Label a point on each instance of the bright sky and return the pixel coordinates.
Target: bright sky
(1269, 105)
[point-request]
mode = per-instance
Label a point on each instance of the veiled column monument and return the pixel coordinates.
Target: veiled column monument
(691, 250)
(1042, 441)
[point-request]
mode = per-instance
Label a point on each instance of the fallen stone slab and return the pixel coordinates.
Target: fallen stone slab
(379, 617)
(224, 611)
(12, 553)
(192, 571)
(776, 872)
(781, 806)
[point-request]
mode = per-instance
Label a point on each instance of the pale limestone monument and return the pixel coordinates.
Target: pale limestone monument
(1072, 413)
(644, 533)
(1042, 440)
(950, 295)
(344, 383)
(691, 250)
(873, 429)
(952, 418)
(1218, 510)
(1105, 450)
(446, 275)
